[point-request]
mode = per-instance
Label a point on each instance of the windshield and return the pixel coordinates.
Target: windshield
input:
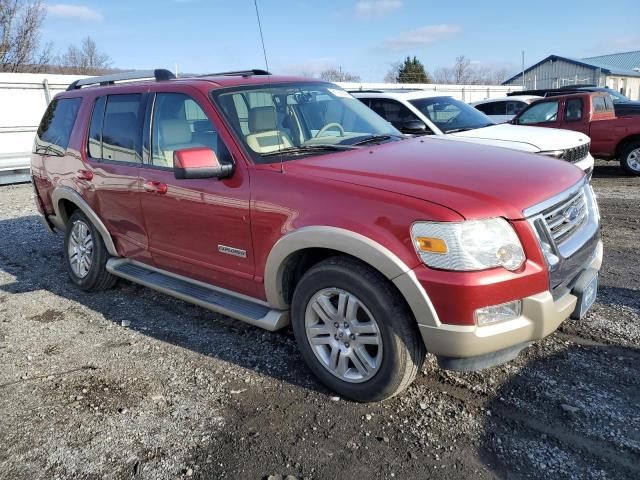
(287, 121)
(617, 97)
(451, 115)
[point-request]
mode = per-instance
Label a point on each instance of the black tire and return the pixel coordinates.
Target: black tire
(97, 278)
(630, 155)
(403, 349)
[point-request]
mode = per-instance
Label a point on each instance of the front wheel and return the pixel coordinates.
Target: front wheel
(85, 254)
(354, 330)
(630, 158)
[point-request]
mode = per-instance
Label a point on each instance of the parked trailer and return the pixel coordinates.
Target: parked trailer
(23, 100)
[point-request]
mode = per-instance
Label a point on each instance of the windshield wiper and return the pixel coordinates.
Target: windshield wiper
(372, 139)
(308, 149)
(455, 130)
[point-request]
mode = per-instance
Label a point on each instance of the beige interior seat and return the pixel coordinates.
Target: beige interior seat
(175, 134)
(265, 136)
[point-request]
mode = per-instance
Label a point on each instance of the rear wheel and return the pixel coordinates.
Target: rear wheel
(85, 254)
(355, 331)
(630, 158)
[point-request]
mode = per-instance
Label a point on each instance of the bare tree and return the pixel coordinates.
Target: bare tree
(337, 75)
(85, 59)
(463, 72)
(20, 27)
(392, 75)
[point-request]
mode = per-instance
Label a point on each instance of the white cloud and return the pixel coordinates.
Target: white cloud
(78, 12)
(421, 37)
(376, 8)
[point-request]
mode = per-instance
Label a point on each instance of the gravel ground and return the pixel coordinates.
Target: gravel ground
(129, 383)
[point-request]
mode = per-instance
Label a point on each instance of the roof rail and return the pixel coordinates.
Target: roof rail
(160, 74)
(238, 73)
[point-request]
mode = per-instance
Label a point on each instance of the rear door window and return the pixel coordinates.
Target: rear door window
(544, 112)
(115, 130)
(493, 108)
(573, 110)
(392, 111)
(56, 126)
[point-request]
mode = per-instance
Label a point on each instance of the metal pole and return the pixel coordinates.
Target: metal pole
(523, 84)
(47, 93)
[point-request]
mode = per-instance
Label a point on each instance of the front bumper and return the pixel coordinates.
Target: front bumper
(541, 316)
(586, 164)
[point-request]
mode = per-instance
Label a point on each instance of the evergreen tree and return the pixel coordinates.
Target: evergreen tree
(412, 71)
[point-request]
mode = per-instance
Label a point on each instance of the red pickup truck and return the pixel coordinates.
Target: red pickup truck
(285, 201)
(592, 113)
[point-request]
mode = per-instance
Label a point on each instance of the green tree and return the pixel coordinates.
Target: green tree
(412, 71)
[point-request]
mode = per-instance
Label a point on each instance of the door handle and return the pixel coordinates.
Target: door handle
(84, 175)
(155, 187)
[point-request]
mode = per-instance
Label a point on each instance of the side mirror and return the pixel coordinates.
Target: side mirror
(413, 127)
(514, 121)
(199, 162)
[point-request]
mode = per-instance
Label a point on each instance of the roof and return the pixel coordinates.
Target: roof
(398, 94)
(524, 98)
(606, 69)
(623, 60)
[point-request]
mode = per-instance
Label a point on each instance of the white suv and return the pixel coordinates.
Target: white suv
(503, 109)
(430, 113)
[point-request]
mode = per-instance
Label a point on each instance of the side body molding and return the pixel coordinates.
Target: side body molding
(66, 193)
(356, 245)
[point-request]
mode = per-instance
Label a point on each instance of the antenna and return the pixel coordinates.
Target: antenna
(264, 51)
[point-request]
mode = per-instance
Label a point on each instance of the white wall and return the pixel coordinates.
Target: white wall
(466, 93)
(23, 99)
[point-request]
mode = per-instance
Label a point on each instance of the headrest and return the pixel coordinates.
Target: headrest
(173, 132)
(262, 119)
(201, 126)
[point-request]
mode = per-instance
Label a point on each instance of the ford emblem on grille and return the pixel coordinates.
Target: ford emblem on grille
(571, 213)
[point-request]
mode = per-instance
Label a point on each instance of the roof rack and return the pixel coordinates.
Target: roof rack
(160, 74)
(238, 73)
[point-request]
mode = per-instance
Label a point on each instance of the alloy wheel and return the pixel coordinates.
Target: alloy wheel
(80, 249)
(343, 335)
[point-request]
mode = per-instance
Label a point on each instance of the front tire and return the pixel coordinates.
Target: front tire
(85, 255)
(354, 330)
(630, 158)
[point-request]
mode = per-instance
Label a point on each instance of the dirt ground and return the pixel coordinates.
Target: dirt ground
(130, 383)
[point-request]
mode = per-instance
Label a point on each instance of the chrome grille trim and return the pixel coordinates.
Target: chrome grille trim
(576, 154)
(565, 218)
(566, 245)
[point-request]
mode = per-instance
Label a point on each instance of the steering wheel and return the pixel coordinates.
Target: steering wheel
(329, 126)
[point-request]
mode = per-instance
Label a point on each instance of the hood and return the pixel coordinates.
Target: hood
(475, 181)
(523, 137)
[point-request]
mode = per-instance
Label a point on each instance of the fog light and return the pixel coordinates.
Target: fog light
(498, 313)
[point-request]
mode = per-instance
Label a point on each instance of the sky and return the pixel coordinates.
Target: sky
(364, 37)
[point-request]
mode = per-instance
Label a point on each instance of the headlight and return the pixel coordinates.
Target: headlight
(553, 153)
(467, 246)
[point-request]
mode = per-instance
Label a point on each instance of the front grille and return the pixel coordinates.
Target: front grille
(566, 217)
(576, 154)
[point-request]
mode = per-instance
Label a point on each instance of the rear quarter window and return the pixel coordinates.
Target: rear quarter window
(52, 137)
(599, 104)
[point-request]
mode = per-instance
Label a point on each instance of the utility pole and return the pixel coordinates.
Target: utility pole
(523, 85)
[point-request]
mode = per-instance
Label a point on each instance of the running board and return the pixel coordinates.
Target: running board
(241, 307)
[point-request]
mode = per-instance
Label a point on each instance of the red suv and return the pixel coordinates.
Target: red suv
(279, 200)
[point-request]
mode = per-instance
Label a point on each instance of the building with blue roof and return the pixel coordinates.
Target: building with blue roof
(619, 71)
